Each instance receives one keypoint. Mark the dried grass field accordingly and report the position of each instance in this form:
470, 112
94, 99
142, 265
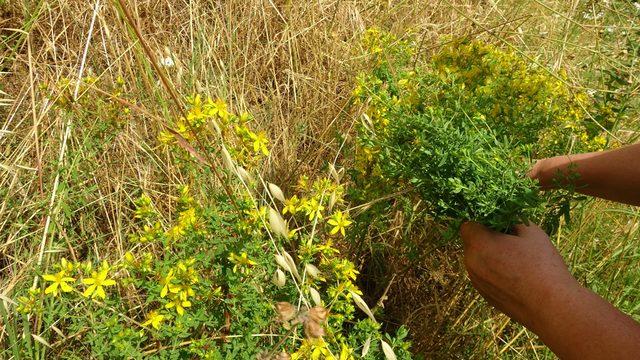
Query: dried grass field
110, 161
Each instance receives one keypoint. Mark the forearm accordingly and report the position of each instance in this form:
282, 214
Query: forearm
612, 175
578, 324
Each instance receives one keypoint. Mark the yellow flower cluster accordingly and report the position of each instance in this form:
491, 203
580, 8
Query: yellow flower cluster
253, 220
211, 118
186, 220
382, 45
241, 262
321, 195
153, 230
499, 86
511, 91
318, 349
62, 282
178, 284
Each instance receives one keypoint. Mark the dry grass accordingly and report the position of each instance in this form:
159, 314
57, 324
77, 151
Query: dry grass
291, 64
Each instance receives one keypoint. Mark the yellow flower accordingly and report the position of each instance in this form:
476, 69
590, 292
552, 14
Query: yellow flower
187, 217
184, 291
241, 262
179, 304
186, 272
327, 248
181, 128
339, 221
175, 232
65, 265
314, 209
218, 108
167, 285
346, 353
257, 216
59, 281
260, 142
320, 350
97, 281
291, 205
154, 319
195, 116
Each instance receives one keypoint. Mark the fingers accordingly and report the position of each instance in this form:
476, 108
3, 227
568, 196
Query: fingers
475, 234
530, 230
534, 172
477, 240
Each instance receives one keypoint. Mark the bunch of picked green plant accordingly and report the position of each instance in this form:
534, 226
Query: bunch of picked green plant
248, 275
463, 129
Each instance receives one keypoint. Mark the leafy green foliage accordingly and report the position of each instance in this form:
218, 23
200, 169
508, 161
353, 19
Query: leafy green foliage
518, 99
460, 170
462, 130
207, 285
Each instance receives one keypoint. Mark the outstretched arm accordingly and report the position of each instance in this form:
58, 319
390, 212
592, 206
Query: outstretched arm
612, 175
523, 276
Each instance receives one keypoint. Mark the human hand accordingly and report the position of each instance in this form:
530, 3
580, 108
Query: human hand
517, 274
523, 276
547, 170
536, 171
612, 175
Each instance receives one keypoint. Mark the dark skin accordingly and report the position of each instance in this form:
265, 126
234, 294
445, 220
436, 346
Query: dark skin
524, 276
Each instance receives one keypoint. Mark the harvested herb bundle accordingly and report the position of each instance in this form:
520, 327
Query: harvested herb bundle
462, 130
460, 170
